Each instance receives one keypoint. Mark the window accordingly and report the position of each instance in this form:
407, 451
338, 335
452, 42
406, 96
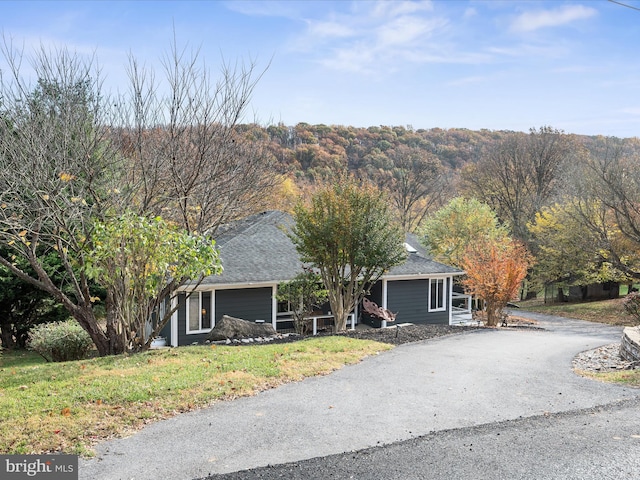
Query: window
284, 308
436, 294
199, 312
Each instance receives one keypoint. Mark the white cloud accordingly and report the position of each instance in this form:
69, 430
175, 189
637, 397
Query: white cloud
468, 80
330, 29
386, 9
470, 12
635, 111
358, 58
525, 50
374, 38
264, 8
405, 30
575, 69
531, 21
446, 56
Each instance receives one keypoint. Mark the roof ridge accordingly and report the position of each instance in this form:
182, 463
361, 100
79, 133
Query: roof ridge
246, 225
263, 217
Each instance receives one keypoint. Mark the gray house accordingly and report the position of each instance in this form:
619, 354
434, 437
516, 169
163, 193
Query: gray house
257, 255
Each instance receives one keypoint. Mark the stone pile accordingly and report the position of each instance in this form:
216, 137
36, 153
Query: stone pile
236, 328
246, 341
602, 359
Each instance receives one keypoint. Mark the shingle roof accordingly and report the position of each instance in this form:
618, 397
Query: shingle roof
419, 262
257, 249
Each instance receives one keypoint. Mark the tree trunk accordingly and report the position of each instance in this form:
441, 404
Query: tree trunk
493, 314
340, 317
6, 335
87, 320
116, 342
336, 301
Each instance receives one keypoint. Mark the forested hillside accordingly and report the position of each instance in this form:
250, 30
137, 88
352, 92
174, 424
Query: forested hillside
422, 169
315, 150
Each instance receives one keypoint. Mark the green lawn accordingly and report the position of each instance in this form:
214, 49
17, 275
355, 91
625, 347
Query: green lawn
19, 358
627, 378
70, 406
603, 311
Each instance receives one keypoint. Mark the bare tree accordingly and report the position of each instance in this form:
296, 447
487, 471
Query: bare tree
610, 179
191, 160
58, 173
519, 175
416, 184
68, 163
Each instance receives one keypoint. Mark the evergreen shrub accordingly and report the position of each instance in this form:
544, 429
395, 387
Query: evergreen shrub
60, 341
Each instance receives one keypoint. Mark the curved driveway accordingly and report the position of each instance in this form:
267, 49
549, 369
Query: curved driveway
464, 380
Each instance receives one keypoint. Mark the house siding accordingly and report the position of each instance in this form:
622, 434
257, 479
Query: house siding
183, 338
376, 293
409, 299
166, 332
248, 304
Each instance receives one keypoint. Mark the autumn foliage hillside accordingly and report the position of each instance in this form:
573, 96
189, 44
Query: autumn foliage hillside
316, 150
313, 152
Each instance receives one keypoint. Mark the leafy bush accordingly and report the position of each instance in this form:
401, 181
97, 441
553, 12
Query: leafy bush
60, 341
631, 305
304, 293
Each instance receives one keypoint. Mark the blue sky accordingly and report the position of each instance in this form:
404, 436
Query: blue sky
500, 65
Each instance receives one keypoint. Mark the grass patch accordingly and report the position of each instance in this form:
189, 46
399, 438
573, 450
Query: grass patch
68, 407
602, 311
627, 378
19, 358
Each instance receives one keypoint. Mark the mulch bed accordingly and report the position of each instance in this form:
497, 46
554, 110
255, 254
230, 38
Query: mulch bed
403, 334
406, 333
396, 336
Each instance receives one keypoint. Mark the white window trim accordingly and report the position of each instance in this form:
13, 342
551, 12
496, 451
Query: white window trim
201, 330
442, 293
174, 321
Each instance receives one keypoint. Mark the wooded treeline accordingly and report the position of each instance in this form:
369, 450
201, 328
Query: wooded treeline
314, 151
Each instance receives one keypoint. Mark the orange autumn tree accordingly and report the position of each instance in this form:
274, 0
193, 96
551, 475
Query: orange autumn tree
495, 271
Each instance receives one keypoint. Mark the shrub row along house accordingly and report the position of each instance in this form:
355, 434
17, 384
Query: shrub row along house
258, 255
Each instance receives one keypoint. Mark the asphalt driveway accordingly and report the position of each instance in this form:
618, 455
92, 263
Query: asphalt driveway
460, 381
